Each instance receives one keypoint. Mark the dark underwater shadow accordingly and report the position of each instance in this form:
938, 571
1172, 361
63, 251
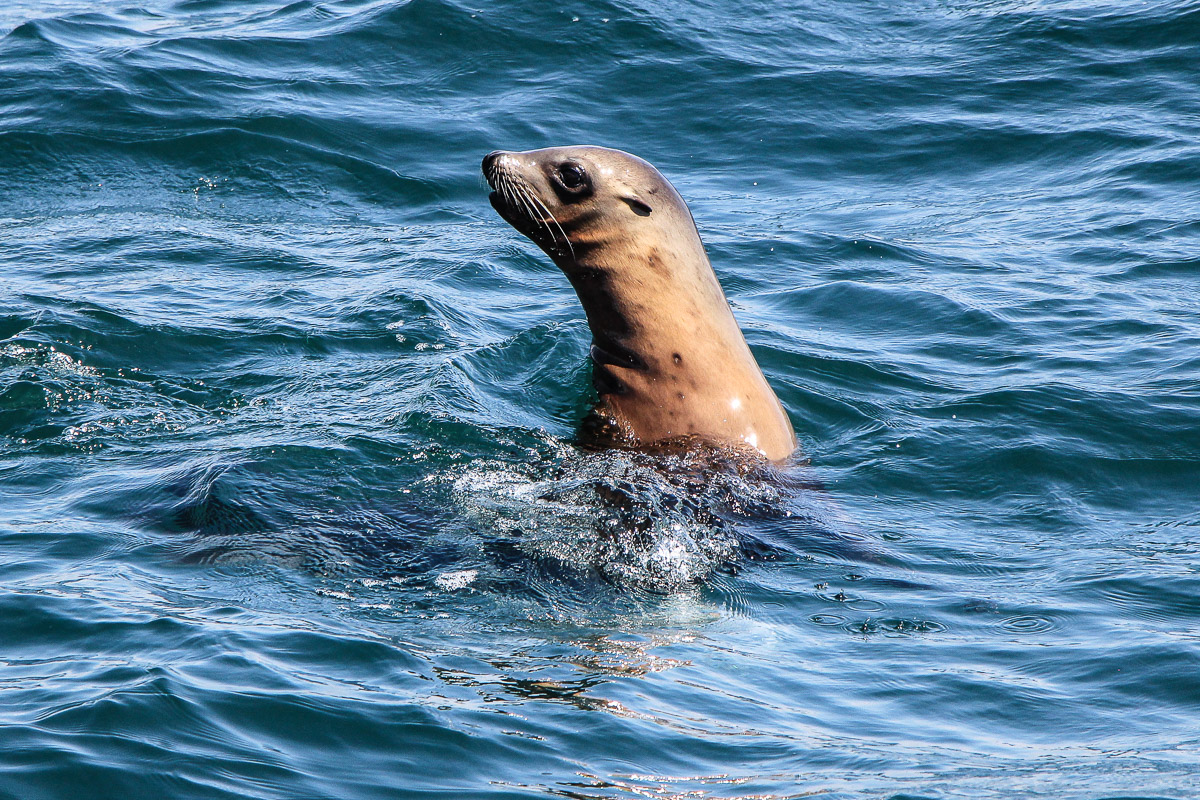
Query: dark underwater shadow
546, 522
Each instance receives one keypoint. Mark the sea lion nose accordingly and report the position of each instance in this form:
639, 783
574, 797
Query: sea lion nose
490, 159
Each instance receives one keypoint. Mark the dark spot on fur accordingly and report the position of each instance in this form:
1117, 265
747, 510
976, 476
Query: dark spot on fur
677, 358
654, 260
680, 395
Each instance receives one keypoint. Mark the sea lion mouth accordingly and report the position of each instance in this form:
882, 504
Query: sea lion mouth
500, 204
515, 215
503, 197
519, 213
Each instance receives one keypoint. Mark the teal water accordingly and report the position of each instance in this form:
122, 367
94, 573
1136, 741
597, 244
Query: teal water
289, 501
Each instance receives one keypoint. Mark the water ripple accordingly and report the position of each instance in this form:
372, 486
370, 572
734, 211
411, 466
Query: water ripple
287, 415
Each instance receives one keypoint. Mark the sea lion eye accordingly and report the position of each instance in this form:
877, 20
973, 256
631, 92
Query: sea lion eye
571, 175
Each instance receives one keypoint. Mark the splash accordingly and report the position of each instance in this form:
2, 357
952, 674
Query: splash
649, 522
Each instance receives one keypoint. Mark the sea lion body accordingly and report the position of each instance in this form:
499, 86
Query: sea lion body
670, 362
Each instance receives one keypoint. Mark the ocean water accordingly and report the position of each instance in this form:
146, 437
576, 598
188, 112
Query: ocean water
290, 501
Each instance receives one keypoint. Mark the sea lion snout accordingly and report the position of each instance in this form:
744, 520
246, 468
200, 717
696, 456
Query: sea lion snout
492, 163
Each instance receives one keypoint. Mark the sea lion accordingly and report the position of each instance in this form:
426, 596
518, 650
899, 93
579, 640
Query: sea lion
671, 365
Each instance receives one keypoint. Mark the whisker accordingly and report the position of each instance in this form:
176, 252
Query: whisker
518, 194
558, 224
525, 197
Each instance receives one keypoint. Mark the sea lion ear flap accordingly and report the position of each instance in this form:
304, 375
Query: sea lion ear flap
638, 205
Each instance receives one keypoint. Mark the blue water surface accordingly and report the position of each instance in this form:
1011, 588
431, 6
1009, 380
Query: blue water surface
290, 504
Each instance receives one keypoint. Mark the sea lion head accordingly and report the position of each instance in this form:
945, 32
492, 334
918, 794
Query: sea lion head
572, 200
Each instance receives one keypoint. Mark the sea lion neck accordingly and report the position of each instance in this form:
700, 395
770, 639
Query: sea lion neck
644, 305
